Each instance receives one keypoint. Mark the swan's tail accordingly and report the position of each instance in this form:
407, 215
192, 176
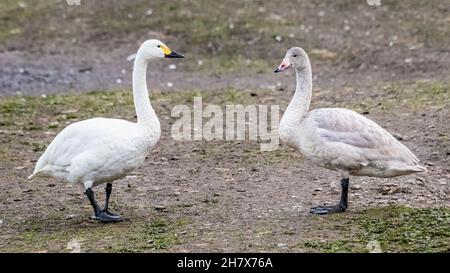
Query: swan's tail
34, 174
419, 169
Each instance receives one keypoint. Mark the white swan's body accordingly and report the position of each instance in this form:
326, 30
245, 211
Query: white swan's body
337, 138
97, 150
102, 150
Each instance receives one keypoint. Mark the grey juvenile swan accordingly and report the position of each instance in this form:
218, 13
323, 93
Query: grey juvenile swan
339, 139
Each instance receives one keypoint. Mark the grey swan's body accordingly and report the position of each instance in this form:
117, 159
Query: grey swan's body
337, 138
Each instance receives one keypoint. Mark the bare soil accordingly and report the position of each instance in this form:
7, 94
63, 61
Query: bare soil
390, 63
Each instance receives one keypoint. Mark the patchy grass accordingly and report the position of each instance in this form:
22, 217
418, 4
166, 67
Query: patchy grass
419, 95
15, 17
393, 228
231, 36
155, 235
28, 122
20, 116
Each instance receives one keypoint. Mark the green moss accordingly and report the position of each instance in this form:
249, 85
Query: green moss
155, 235
394, 228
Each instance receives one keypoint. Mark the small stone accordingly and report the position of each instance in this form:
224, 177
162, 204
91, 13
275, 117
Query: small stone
355, 187
241, 190
150, 241
281, 245
172, 66
149, 12
70, 216
85, 69
69, 111
398, 137
318, 189
131, 57
1, 222
160, 207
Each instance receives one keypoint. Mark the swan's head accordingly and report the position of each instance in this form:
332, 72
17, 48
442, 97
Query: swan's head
295, 57
155, 49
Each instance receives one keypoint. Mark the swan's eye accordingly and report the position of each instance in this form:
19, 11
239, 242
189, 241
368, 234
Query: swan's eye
295, 55
158, 46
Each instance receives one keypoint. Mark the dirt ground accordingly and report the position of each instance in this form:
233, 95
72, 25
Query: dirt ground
390, 63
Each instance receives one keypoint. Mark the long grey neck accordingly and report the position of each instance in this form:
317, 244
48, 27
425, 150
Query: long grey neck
146, 116
301, 100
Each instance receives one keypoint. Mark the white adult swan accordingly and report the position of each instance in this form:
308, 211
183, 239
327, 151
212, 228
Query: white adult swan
339, 139
101, 150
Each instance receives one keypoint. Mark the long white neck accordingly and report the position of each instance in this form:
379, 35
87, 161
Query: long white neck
146, 116
301, 100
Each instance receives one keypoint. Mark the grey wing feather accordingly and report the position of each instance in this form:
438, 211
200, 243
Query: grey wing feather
348, 127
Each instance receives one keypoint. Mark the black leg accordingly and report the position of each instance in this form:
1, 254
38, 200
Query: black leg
108, 191
344, 194
343, 203
91, 197
99, 214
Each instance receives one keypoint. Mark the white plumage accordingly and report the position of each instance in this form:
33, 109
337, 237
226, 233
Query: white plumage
339, 139
97, 150
102, 150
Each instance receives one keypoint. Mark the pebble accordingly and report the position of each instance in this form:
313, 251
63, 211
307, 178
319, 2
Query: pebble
355, 187
160, 207
149, 12
398, 137
318, 189
70, 216
131, 57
